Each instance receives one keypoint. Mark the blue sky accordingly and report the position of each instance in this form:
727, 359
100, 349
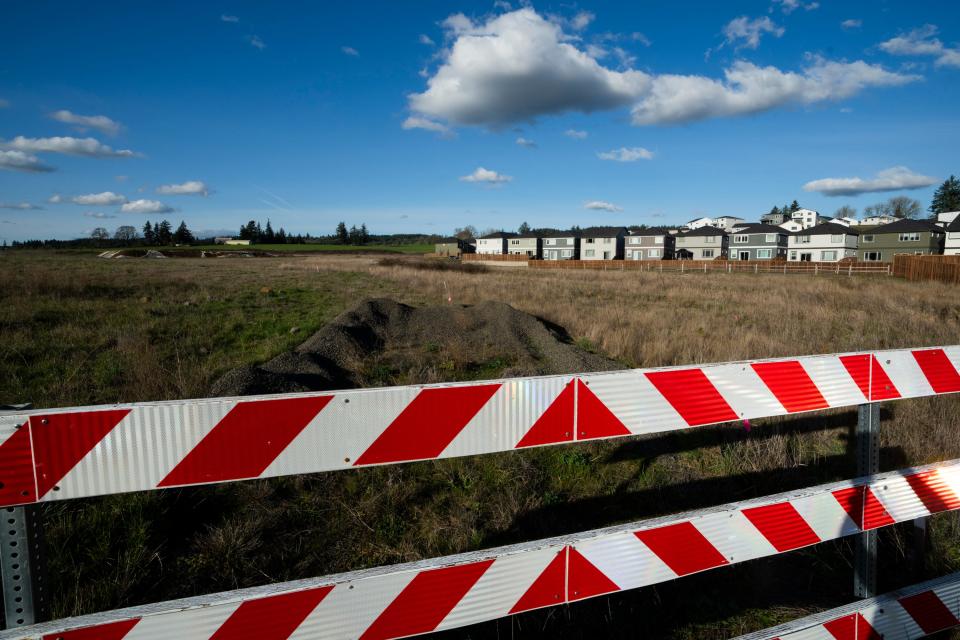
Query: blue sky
311, 113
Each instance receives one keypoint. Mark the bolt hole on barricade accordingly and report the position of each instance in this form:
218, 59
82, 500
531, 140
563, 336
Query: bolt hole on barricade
53, 455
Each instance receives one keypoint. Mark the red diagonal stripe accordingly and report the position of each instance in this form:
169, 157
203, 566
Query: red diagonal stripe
426, 601
933, 491
863, 507
692, 395
791, 384
61, 440
852, 627
109, 631
928, 611
938, 369
548, 588
782, 526
594, 419
556, 423
16, 468
428, 424
246, 440
584, 580
682, 547
858, 367
271, 618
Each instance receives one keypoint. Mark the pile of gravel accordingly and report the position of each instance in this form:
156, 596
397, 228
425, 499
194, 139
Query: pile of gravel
379, 331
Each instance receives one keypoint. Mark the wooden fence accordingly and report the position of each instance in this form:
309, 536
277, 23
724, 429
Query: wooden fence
729, 266
942, 268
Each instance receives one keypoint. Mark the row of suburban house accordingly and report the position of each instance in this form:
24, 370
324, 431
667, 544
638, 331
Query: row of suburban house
821, 241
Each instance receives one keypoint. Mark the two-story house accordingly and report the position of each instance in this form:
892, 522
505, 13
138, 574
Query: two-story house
453, 247
704, 243
525, 244
827, 242
649, 244
494, 243
758, 242
951, 246
808, 218
920, 237
602, 243
728, 223
561, 245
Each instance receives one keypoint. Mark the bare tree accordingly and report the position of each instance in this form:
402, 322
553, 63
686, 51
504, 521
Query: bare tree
898, 207
465, 233
846, 211
125, 232
99, 234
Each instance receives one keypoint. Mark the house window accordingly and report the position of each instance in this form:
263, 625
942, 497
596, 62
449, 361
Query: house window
607, 240
764, 253
803, 239
793, 255
708, 253
910, 237
588, 253
589, 241
710, 239
771, 237
836, 237
741, 239
828, 256
653, 253
566, 253
871, 256
634, 240
867, 238
514, 242
658, 240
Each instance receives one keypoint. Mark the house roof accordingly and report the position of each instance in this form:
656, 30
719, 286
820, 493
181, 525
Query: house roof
905, 225
704, 231
955, 225
652, 231
526, 236
498, 234
568, 233
760, 227
825, 229
603, 232
728, 218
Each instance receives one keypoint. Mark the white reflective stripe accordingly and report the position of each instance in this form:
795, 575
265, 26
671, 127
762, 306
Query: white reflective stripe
895, 623
899, 499
953, 354
9, 424
833, 380
193, 624
818, 632
625, 560
744, 391
825, 516
734, 536
905, 374
635, 401
351, 607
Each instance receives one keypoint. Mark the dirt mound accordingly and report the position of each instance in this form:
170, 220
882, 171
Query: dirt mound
382, 342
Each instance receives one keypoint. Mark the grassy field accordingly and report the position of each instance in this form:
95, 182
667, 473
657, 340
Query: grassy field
79, 330
309, 248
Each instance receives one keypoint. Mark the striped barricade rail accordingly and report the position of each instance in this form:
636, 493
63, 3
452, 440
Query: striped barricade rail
444, 593
59, 454
912, 612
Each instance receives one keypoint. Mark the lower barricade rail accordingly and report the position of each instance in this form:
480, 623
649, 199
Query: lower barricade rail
454, 591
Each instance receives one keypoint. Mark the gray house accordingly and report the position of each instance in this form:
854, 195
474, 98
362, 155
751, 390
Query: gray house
758, 242
918, 237
525, 244
704, 243
561, 245
453, 247
650, 244
602, 243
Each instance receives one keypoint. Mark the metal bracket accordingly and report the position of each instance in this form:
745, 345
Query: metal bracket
868, 463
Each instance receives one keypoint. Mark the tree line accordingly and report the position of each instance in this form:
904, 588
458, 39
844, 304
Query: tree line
352, 236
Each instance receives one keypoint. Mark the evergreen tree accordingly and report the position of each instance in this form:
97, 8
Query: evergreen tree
164, 233
946, 197
148, 237
182, 235
523, 228
268, 236
281, 236
794, 206
342, 236
364, 234
774, 211
354, 236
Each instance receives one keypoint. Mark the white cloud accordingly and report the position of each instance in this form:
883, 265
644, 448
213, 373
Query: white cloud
745, 33
524, 142
89, 147
56, 199
145, 206
20, 206
626, 154
350, 51
102, 124
99, 215
789, 6
255, 41
892, 179
416, 122
515, 67
852, 23
575, 134
225, 18
601, 205
189, 188
582, 20
486, 176
425, 39
749, 89
104, 199
21, 161
921, 42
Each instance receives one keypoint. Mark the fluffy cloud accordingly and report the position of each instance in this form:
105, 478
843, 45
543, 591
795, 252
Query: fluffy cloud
892, 179
415, 122
745, 33
582, 20
852, 23
104, 199
486, 176
225, 18
921, 42
350, 51
189, 188
601, 205
90, 147
102, 124
515, 67
255, 41
145, 206
789, 6
748, 89
21, 161
575, 134
97, 214
524, 142
19, 206
626, 154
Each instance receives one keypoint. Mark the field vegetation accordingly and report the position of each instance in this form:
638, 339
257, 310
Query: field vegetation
79, 330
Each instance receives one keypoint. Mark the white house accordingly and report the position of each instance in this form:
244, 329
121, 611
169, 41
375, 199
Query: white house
792, 226
696, 223
808, 218
602, 243
827, 242
705, 243
945, 218
951, 246
846, 221
877, 220
727, 223
494, 243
